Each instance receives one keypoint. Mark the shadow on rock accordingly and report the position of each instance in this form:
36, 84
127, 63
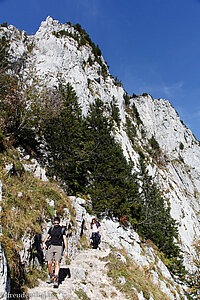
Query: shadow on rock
64, 272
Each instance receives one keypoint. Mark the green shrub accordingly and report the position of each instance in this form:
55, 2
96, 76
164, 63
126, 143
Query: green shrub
117, 82
134, 95
90, 61
136, 115
181, 158
154, 144
181, 146
126, 99
115, 111
5, 24
130, 130
104, 71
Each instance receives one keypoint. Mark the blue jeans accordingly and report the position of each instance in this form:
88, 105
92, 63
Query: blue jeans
95, 239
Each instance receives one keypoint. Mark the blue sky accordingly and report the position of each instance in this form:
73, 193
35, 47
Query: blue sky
152, 46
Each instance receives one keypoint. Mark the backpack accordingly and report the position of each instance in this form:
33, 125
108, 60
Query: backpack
48, 242
63, 228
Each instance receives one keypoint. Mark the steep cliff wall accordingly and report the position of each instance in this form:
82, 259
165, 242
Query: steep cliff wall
179, 176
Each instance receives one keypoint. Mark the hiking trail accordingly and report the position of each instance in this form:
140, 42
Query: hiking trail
84, 278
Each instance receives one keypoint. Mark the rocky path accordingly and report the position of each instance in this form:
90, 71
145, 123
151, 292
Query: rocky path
85, 278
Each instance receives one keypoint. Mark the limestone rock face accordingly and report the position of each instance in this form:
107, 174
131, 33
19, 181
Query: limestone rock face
179, 177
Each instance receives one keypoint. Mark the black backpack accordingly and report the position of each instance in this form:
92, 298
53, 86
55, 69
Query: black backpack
48, 242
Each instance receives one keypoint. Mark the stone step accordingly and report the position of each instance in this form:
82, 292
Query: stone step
87, 272
93, 252
89, 255
93, 262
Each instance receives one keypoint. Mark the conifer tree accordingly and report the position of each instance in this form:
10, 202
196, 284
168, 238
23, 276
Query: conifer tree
155, 222
115, 111
64, 135
111, 185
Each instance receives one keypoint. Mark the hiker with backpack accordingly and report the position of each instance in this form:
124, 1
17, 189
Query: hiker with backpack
53, 243
95, 233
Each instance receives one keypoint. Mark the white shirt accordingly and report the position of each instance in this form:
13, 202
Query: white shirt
94, 228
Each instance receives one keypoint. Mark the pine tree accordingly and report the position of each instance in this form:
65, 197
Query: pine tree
155, 222
115, 111
111, 187
64, 135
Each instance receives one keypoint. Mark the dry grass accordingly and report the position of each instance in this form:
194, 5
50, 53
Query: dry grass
135, 277
84, 242
81, 294
25, 208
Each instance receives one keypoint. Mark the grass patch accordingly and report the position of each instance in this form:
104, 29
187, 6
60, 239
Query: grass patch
135, 278
81, 294
67, 261
84, 242
103, 293
25, 208
32, 275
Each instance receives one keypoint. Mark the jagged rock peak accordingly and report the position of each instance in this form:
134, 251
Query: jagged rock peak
50, 25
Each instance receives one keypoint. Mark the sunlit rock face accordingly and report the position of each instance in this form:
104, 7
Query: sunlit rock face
179, 176
48, 55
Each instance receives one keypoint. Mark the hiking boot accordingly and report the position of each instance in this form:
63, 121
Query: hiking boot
50, 279
55, 285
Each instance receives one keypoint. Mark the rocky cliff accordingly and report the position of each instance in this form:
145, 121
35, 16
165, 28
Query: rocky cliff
56, 51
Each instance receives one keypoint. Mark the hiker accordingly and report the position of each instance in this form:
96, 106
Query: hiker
95, 233
54, 245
